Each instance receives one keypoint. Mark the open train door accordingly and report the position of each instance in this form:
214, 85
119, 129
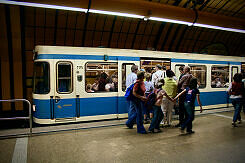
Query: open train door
124, 70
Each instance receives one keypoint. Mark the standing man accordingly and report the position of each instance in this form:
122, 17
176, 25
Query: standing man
181, 70
182, 84
158, 75
131, 78
170, 88
137, 104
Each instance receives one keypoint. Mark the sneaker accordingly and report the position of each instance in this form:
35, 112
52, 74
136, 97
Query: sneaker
240, 122
234, 124
129, 126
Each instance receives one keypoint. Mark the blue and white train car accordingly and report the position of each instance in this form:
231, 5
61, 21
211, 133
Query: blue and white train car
81, 84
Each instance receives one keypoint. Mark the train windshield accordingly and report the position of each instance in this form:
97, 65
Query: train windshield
41, 78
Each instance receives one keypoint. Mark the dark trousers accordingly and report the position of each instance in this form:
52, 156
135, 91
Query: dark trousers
190, 114
182, 112
157, 118
237, 103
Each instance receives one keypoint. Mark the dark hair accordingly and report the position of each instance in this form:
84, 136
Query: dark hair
181, 68
237, 77
170, 73
140, 75
193, 83
134, 68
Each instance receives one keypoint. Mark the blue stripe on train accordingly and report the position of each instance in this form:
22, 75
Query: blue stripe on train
205, 61
86, 57
108, 105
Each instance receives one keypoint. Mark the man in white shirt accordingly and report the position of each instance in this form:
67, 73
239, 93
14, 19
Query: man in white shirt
159, 74
132, 77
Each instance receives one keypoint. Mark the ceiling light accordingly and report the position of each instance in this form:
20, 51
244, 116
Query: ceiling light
170, 21
116, 13
43, 6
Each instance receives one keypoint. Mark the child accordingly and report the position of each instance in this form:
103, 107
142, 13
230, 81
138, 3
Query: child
191, 93
149, 88
157, 111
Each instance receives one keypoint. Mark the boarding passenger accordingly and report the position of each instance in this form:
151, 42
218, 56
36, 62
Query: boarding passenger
137, 103
131, 78
181, 69
182, 84
157, 111
148, 89
158, 75
167, 106
190, 93
236, 90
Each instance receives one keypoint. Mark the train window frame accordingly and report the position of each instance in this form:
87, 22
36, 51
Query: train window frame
232, 71
48, 78
124, 74
57, 73
190, 65
226, 85
85, 76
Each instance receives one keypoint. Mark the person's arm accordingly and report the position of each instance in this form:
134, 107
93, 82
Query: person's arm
229, 89
199, 102
180, 94
165, 94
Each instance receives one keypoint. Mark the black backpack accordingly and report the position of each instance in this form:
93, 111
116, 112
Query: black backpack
151, 99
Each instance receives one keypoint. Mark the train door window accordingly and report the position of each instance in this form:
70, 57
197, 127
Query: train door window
219, 76
149, 64
64, 77
200, 72
41, 78
101, 77
126, 70
177, 72
234, 70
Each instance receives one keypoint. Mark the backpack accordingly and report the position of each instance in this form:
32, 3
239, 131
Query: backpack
129, 92
151, 99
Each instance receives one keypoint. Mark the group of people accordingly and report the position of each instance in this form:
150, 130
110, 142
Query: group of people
166, 90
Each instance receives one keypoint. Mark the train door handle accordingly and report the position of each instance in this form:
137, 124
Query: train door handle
57, 99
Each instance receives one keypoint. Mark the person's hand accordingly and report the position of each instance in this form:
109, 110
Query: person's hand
201, 109
143, 98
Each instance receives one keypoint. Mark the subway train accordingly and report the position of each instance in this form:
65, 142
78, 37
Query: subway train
73, 84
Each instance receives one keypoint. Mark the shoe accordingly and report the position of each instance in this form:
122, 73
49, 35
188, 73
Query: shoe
129, 126
158, 130
234, 124
240, 122
190, 132
144, 132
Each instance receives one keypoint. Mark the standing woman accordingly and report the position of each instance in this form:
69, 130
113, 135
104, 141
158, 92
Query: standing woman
235, 91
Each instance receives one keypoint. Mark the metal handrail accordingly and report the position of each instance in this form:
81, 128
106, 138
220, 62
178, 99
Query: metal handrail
14, 118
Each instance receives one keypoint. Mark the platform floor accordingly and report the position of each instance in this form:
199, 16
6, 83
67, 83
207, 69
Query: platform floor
214, 140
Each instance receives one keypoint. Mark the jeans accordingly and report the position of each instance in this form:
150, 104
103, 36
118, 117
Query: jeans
237, 103
182, 112
135, 115
157, 118
190, 113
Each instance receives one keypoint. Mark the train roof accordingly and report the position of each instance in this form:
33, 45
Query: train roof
129, 52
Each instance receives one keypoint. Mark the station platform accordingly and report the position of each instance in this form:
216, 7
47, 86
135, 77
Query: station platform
214, 140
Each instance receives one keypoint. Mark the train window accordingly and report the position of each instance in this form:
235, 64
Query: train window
126, 70
220, 76
149, 65
64, 77
200, 72
234, 70
41, 78
101, 77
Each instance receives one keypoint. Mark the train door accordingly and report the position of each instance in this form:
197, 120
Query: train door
124, 70
64, 99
